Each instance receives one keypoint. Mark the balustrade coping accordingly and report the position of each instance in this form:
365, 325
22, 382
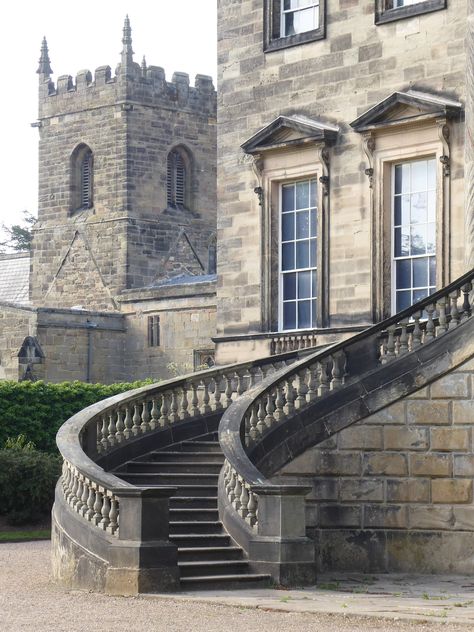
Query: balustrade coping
297, 333
230, 427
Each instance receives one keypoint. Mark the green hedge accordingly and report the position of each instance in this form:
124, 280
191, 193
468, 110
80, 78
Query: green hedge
37, 410
27, 481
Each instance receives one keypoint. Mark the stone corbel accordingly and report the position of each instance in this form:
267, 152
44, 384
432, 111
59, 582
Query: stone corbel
369, 148
257, 166
443, 133
324, 160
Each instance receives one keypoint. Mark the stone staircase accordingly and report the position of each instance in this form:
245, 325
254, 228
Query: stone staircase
207, 556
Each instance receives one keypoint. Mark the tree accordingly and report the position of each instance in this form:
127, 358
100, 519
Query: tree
19, 236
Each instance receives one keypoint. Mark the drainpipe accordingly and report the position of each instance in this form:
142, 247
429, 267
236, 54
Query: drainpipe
469, 139
90, 326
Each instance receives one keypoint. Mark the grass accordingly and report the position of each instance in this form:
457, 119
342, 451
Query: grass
25, 536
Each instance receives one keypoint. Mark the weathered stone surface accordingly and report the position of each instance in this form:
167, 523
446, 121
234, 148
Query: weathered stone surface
451, 386
427, 412
450, 439
451, 491
406, 438
383, 463
408, 490
430, 464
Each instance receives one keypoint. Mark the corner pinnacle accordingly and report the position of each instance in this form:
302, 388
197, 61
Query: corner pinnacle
44, 67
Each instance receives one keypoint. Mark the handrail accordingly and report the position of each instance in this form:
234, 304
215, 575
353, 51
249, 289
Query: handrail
279, 397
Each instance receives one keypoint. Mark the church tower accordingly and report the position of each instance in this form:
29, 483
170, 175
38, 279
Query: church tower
127, 180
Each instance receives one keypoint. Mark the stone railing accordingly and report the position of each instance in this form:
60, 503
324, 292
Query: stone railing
280, 343
283, 397
110, 432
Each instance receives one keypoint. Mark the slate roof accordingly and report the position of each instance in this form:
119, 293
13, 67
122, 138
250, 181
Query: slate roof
15, 278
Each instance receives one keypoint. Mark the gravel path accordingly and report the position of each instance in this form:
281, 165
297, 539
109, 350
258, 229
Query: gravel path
30, 601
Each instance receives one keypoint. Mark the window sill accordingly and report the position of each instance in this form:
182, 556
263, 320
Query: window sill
294, 40
401, 13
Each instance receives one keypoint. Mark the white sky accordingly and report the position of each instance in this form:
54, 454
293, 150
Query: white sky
179, 35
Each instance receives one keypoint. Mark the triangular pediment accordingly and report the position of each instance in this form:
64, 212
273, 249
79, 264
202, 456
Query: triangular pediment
290, 130
405, 107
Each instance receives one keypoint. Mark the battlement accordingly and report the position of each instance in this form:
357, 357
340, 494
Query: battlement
132, 82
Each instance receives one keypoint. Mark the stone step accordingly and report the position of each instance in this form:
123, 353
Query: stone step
177, 455
209, 553
196, 526
168, 478
198, 513
193, 502
213, 568
182, 467
226, 582
201, 446
200, 540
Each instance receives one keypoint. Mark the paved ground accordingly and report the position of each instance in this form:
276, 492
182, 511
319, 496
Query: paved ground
30, 601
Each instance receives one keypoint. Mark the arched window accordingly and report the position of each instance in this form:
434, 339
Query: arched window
178, 179
81, 178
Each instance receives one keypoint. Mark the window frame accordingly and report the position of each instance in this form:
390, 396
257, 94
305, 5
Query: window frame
272, 18
172, 180
76, 179
383, 15
154, 330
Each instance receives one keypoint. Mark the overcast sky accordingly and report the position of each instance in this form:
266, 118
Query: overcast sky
177, 35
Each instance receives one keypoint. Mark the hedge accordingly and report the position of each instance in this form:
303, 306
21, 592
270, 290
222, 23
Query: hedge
27, 481
37, 410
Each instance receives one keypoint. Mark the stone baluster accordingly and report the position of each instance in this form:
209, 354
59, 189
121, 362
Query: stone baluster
390, 345
453, 309
442, 322
279, 413
194, 400
251, 517
323, 377
429, 326
246, 422
128, 422
104, 523
174, 417
416, 333
466, 304
252, 376
99, 435
403, 338
136, 428
164, 419
145, 423
155, 414
184, 413
253, 430
240, 382
205, 408
228, 390
113, 516
217, 393
89, 514
237, 493
231, 493
261, 413
77, 503
120, 435
75, 484
97, 517
244, 500
312, 394
112, 429
289, 406
301, 389
270, 409
104, 432
84, 497
338, 370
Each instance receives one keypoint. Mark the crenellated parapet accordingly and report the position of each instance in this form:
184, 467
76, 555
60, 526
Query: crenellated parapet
131, 82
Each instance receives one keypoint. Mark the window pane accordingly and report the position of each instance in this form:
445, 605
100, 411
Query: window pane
418, 240
304, 314
314, 287
289, 286
402, 210
313, 198
420, 272
288, 226
302, 195
432, 174
431, 206
314, 315
418, 295
402, 178
288, 256
432, 271
302, 225
402, 241
419, 174
313, 254
419, 203
289, 315
403, 274
431, 238
314, 223
403, 300
304, 285
302, 254
288, 197
306, 20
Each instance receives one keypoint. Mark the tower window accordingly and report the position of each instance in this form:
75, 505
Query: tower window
177, 180
81, 179
153, 331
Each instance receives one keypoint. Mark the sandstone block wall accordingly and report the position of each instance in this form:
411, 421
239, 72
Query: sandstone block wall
15, 324
335, 79
396, 481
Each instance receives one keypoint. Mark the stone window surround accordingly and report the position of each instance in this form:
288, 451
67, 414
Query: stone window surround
278, 167
383, 15
154, 331
188, 161
271, 28
385, 147
75, 179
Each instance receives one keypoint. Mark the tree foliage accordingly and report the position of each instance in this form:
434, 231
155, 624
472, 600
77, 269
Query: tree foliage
19, 236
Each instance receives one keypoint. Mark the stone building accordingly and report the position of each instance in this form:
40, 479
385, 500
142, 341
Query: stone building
122, 279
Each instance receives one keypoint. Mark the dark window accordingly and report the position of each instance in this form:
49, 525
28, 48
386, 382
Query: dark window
82, 179
390, 10
153, 331
293, 22
177, 180
204, 359
212, 256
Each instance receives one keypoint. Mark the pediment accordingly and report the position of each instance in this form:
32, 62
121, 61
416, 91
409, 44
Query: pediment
30, 351
406, 107
290, 130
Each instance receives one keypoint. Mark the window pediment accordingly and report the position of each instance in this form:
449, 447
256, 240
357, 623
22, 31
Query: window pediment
286, 131
406, 107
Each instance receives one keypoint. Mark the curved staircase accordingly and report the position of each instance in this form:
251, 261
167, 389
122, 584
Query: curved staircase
151, 500
207, 557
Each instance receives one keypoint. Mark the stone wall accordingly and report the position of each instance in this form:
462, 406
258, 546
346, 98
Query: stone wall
187, 316
333, 80
15, 324
395, 491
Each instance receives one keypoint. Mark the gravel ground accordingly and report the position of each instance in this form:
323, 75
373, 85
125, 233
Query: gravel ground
30, 601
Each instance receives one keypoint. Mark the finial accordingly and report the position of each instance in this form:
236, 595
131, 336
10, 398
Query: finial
44, 67
127, 52
144, 66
